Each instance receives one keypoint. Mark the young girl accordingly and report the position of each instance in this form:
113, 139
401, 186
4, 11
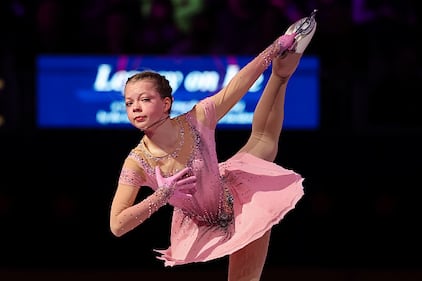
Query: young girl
224, 208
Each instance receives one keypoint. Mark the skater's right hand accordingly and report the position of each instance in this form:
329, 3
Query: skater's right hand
181, 184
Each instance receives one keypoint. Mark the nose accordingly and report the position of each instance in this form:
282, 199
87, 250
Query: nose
136, 106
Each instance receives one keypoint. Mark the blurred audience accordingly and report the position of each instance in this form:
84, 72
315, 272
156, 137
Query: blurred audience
361, 43
390, 60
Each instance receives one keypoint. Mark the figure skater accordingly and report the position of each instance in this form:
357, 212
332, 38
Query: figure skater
219, 209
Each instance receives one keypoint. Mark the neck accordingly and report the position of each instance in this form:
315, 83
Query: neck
157, 123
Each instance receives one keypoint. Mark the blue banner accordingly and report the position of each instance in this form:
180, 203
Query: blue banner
87, 91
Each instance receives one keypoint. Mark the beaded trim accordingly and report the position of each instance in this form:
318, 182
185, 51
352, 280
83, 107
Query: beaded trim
174, 154
270, 52
163, 194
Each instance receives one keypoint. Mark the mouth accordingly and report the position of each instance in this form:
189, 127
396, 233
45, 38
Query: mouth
139, 119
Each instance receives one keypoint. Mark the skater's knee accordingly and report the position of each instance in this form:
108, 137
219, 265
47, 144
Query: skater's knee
262, 147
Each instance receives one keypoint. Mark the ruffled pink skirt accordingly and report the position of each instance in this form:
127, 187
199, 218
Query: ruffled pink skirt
263, 193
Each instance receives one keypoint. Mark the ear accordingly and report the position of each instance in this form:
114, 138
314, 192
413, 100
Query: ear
167, 104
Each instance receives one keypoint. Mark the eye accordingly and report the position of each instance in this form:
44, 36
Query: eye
128, 103
145, 99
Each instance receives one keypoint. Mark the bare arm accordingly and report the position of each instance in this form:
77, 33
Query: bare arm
125, 216
239, 85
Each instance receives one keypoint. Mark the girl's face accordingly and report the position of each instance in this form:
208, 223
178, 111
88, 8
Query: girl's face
144, 105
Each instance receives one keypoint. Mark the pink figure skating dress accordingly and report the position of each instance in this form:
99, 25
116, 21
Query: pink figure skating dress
236, 202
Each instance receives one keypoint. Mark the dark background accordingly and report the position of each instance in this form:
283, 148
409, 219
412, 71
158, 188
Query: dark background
360, 217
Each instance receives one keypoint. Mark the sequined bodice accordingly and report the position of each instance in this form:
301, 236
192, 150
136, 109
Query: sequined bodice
212, 204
